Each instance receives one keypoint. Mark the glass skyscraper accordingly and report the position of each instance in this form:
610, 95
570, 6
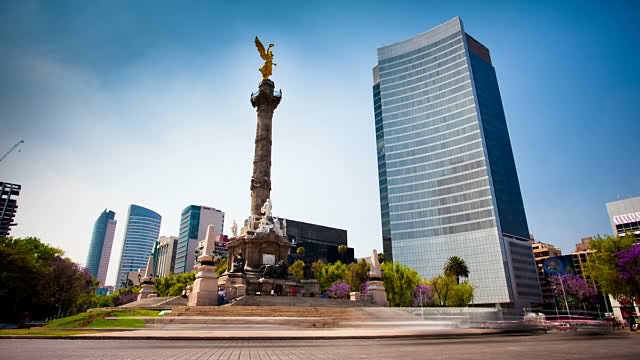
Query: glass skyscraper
193, 227
447, 177
143, 228
100, 247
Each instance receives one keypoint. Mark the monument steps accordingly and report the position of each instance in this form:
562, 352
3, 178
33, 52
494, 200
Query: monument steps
165, 302
344, 314
298, 301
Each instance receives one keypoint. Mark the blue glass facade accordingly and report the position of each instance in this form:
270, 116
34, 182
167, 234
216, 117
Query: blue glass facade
189, 225
448, 184
194, 221
143, 228
97, 244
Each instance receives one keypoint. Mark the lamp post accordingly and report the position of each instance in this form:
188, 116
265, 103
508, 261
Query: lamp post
564, 295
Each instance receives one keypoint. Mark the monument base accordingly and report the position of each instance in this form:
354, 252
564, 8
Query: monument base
258, 248
235, 285
204, 291
146, 291
310, 287
377, 293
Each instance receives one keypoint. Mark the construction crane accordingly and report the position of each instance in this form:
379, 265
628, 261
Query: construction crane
11, 150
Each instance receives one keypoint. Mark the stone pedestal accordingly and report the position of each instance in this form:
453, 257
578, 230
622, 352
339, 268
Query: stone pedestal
235, 285
354, 296
265, 287
147, 290
255, 245
258, 249
310, 287
377, 292
205, 288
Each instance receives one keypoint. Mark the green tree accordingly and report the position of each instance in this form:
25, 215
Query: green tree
461, 294
174, 284
342, 250
221, 268
330, 273
456, 267
300, 251
602, 265
447, 292
357, 273
296, 269
37, 282
400, 282
442, 285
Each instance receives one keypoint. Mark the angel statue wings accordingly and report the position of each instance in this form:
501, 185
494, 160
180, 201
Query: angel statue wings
267, 56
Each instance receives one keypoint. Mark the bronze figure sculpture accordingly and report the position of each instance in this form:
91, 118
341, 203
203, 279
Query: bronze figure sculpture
267, 56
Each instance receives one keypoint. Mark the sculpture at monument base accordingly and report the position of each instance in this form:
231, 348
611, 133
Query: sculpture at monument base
237, 266
278, 271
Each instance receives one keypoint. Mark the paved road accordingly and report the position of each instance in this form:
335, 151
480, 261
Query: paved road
493, 347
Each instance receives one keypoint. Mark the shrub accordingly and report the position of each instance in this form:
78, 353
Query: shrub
423, 295
400, 282
339, 290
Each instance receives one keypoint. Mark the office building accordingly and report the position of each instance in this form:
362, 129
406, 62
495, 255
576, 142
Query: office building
447, 176
319, 242
166, 255
625, 216
193, 227
143, 227
584, 244
541, 252
8, 206
100, 247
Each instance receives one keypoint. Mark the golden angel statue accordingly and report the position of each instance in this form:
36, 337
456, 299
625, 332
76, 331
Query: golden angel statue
267, 56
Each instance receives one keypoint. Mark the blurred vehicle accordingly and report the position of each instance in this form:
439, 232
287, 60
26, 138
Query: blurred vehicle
579, 324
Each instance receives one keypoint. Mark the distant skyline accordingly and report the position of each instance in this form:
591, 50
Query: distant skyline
147, 103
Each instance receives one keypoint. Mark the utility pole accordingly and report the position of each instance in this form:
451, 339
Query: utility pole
15, 146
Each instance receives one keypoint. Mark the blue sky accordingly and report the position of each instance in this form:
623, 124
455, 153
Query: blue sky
147, 102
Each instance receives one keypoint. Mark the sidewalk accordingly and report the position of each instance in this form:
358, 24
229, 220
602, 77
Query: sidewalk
335, 333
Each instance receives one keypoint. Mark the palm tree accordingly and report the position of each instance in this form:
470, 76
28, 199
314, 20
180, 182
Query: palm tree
455, 266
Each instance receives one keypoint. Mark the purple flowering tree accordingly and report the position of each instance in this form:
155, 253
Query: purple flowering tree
364, 287
577, 290
628, 268
339, 290
423, 295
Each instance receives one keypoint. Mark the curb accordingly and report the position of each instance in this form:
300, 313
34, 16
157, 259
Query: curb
262, 338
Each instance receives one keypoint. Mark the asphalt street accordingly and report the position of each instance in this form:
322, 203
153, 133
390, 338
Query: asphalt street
619, 346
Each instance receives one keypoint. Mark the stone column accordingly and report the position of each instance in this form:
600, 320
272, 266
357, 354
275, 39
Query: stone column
265, 101
147, 289
205, 287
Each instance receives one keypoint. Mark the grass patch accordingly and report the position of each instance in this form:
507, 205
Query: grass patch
118, 323
78, 320
135, 312
95, 318
43, 331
